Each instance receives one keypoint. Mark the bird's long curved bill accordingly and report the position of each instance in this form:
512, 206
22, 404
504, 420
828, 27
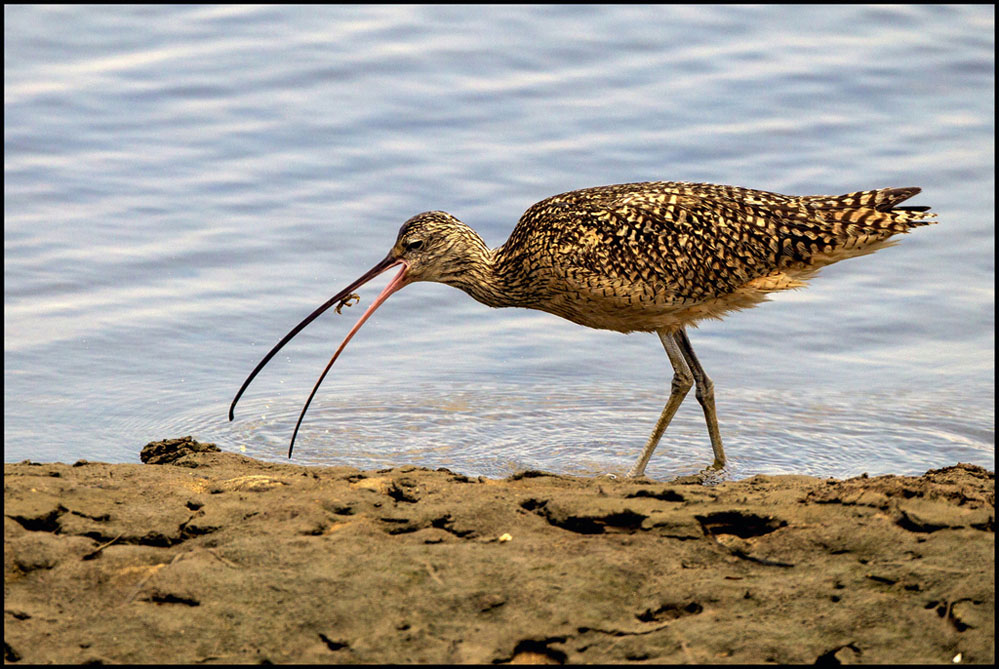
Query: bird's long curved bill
397, 282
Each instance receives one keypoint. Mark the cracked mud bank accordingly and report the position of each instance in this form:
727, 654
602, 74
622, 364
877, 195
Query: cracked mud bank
215, 557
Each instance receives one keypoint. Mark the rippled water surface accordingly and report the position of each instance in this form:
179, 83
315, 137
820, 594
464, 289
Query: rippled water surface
184, 184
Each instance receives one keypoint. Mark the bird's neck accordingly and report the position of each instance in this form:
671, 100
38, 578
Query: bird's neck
494, 277
477, 273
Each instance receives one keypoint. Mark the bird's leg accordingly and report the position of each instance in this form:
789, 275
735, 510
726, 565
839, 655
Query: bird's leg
682, 381
705, 394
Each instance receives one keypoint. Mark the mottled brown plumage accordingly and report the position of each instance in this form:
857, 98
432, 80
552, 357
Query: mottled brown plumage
654, 256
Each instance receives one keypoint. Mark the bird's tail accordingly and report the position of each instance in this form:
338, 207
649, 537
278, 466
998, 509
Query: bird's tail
827, 229
871, 212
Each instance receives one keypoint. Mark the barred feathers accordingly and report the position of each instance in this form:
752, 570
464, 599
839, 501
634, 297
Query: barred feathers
663, 255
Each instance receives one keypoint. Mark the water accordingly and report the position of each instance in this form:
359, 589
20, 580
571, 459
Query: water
184, 184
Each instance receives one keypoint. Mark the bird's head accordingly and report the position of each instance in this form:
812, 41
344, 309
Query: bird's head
436, 246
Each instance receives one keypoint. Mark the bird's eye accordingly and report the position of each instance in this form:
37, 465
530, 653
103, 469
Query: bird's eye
414, 245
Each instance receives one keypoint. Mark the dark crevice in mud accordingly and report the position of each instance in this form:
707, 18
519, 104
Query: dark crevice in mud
188, 532
401, 491
98, 551
946, 610
913, 524
47, 523
532, 504
958, 614
669, 611
663, 615
528, 474
578, 525
739, 523
333, 645
623, 633
941, 607
626, 520
408, 525
456, 477
50, 523
835, 656
9, 654
400, 525
153, 539
446, 522
316, 530
663, 495
100, 518
531, 651
598, 524
339, 509
170, 598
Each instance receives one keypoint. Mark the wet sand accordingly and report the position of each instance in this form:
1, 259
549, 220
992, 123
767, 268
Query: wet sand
203, 556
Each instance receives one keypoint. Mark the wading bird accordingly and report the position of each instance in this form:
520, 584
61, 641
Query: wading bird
651, 257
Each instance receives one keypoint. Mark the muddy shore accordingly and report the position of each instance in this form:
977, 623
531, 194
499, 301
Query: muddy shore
203, 556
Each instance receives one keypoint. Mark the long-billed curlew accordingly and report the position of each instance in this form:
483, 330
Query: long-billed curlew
653, 257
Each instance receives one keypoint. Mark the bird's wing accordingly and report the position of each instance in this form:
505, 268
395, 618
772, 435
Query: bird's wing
687, 242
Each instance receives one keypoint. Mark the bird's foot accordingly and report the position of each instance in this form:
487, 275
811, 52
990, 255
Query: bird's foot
712, 475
